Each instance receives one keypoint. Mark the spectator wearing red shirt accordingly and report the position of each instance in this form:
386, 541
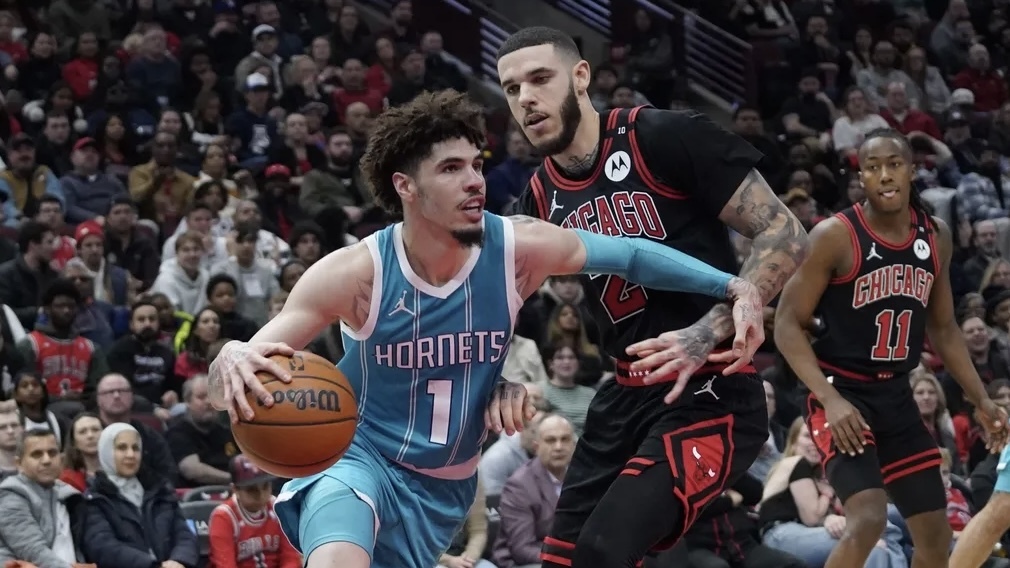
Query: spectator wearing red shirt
356, 90
16, 49
50, 214
905, 119
988, 85
81, 73
380, 74
244, 531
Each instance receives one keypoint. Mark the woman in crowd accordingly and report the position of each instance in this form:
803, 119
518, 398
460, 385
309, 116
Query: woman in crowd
80, 452
194, 359
996, 274
132, 518
565, 327
932, 402
800, 514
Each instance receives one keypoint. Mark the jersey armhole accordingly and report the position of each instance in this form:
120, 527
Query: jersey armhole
515, 300
373, 308
857, 255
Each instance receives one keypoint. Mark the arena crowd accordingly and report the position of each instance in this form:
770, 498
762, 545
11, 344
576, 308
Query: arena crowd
170, 168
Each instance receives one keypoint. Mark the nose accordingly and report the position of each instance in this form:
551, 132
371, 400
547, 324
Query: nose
526, 98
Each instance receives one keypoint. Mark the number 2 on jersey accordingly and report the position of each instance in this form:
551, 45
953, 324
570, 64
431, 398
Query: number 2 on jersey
892, 336
622, 299
441, 406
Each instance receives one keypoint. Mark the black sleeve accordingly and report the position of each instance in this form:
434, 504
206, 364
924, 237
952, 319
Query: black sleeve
802, 470
693, 155
180, 442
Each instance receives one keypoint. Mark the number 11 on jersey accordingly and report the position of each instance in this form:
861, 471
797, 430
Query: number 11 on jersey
892, 336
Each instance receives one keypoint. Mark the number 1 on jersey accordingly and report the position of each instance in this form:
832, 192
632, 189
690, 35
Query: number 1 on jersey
892, 344
441, 405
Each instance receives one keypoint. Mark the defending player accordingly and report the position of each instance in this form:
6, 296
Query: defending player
878, 277
427, 309
985, 529
643, 469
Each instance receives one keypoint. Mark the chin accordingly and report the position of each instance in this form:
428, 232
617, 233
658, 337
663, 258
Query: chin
470, 236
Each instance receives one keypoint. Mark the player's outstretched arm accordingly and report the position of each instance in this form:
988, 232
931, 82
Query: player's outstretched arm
337, 287
945, 336
779, 243
829, 245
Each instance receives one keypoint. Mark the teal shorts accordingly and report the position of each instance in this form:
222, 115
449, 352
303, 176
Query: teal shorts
403, 519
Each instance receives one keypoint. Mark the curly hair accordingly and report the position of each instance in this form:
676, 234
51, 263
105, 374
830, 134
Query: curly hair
403, 137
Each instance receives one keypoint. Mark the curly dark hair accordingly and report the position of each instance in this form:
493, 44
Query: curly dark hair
404, 135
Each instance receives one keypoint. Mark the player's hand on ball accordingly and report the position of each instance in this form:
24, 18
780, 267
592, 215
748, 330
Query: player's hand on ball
847, 425
234, 370
510, 408
682, 352
993, 419
748, 320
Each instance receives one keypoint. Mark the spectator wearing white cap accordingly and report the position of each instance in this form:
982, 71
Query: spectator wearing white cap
288, 44
252, 130
264, 52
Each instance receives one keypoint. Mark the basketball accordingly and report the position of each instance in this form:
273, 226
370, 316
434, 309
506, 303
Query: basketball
311, 423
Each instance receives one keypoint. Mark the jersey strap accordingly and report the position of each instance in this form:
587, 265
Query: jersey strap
626, 120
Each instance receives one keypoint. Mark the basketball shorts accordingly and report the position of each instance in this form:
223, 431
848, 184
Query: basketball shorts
707, 439
901, 455
403, 519
1003, 471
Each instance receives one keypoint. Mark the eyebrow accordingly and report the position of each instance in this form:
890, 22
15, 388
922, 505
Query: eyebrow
536, 71
457, 159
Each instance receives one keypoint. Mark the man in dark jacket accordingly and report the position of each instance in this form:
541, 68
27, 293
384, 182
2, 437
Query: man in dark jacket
141, 356
23, 279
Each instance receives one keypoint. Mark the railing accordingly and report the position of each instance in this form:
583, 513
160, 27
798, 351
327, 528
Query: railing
471, 32
710, 57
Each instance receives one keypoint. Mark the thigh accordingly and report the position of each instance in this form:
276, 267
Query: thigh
703, 558
608, 441
847, 474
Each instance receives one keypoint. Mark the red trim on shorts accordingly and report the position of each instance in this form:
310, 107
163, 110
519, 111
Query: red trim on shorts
560, 547
554, 559
539, 195
642, 461
562, 183
852, 375
893, 246
857, 253
631, 472
636, 466
626, 377
912, 464
551, 541
643, 169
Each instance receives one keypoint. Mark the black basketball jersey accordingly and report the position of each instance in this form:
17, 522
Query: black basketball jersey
653, 186
875, 316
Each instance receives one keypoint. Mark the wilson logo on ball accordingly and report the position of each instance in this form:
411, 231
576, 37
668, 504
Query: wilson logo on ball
325, 400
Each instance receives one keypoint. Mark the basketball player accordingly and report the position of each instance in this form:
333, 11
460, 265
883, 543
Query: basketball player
427, 309
643, 469
878, 278
985, 529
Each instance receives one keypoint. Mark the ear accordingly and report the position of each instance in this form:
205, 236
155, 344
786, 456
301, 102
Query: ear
581, 77
405, 187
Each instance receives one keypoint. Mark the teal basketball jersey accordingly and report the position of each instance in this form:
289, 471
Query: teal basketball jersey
425, 364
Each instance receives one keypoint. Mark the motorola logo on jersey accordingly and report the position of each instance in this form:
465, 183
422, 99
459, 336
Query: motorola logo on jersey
463, 348
631, 214
618, 166
891, 281
323, 399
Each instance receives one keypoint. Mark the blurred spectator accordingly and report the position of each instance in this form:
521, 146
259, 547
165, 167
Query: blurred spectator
55, 145
40, 511
200, 444
468, 545
23, 278
508, 179
252, 130
160, 189
253, 276
80, 451
112, 284
222, 291
523, 363
194, 359
765, 20
126, 246
146, 362
50, 214
566, 327
902, 117
244, 531
68, 364
10, 433
154, 72
199, 221
447, 73
931, 90
89, 192
265, 44
131, 515
803, 207
71, 18
115, 402
97, 321
979, 197
568, 398
290, 272
295, 152
988, 86
985, 240
771, 451
288, 44
380, 75
413, 78
355, 89
530, 494
24, 181
810, 114
279, 201
856, 121
32, 401
401, 29
932, 403
951, 38
183, 278
875, 79
959, 510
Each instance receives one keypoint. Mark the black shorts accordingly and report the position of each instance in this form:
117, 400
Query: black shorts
708, 438
901, 455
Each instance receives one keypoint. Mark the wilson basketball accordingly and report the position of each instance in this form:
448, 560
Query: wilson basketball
311, 423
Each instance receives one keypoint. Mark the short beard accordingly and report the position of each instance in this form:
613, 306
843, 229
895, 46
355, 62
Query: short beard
571, 116
469, 237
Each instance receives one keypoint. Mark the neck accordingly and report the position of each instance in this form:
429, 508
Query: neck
433, 254
32, 262
557, 472
91, 464
107, 418
245, 262
980, 356
898, 221
580, 156
33, 412
562, 382
7, 460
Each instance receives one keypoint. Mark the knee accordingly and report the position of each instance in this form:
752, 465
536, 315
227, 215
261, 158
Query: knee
865, 527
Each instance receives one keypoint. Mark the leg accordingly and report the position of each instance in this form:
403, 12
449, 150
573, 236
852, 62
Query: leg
761, 556
985, 529
338, 555
812, 545
703, 558
695, 449
865, 520
336, 526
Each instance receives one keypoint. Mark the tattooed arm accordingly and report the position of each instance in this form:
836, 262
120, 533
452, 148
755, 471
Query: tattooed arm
779, 244
338, 287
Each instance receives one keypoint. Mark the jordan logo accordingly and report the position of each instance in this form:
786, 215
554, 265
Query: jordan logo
554, 205
703, 470
873, 253
401, 306
708, 388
